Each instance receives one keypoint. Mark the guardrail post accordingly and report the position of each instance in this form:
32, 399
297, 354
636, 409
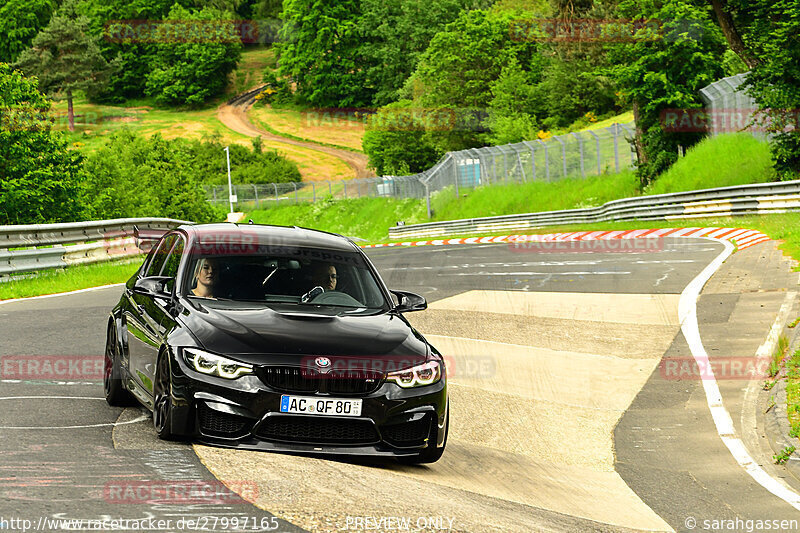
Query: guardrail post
294, 183
616, 147
330, 188
255, 192
345, 188
277, 201
313, 193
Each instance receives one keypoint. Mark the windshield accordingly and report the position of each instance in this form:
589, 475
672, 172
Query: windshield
285, 275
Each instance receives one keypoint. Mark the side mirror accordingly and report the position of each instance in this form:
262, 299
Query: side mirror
153, 286
409, 302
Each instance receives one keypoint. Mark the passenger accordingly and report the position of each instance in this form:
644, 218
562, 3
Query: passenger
206, 275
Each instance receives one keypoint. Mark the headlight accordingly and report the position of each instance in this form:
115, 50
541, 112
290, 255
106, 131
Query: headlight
215, 365
418, 376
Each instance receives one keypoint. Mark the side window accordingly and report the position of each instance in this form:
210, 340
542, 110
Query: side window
173, 261
160, 257
171, 266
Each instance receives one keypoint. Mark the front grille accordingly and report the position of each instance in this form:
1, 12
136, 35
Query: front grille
409, 434
318, 430
223, 424
353, 382
304, 380
288, 378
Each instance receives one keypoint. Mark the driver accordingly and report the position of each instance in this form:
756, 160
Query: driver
206, 277
325, 276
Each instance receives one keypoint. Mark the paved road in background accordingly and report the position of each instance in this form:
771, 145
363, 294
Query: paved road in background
60, 450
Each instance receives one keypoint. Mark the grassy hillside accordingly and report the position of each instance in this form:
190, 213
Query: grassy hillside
711, 164
320, 126
94, 123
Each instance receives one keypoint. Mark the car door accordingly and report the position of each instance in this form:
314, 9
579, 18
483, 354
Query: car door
142, 324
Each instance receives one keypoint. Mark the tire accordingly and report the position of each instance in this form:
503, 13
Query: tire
113, 386
431, 454
162, 400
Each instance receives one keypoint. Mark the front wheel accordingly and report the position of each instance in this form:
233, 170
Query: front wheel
162, 402
115, 392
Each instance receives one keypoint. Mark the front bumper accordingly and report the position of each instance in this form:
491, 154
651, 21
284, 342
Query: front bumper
245, 413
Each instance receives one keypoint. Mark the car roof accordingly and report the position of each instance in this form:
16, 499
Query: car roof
267, 234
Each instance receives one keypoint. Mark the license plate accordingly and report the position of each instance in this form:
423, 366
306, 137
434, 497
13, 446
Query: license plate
320, 406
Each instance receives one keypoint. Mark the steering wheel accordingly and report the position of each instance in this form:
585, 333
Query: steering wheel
334, 298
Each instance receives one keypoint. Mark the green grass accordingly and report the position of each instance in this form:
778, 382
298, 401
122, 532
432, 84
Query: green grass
793, 393
733, 159
364, 218
571, 193
70, 279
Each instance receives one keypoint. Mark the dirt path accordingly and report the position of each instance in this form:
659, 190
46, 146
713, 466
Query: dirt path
234, 115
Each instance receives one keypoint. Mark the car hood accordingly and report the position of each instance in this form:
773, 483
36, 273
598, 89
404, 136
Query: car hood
237, 328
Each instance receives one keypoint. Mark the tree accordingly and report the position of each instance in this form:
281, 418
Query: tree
395, 141
117, 24
662, 69
20, 21
764, 34
462, 61
515, 106
65, 57
458, 70
196, 67
40, 179
395, 33
320, 52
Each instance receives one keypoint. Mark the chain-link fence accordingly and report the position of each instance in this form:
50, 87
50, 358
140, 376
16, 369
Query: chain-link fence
590, 152
265, 195
729, 108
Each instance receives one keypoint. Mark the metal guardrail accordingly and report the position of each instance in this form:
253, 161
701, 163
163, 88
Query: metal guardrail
758, 198
32, 247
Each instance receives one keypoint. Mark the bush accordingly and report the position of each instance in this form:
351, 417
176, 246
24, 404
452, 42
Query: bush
134, 176
396, 143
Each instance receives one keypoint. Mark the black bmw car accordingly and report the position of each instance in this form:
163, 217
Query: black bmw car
275, 338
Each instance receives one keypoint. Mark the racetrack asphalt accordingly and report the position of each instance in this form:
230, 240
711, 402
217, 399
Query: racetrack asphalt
663, 456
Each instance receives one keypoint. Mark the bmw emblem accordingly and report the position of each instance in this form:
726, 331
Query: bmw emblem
323, 363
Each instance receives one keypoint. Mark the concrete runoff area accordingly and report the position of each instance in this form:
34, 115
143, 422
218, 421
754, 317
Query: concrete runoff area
535, 432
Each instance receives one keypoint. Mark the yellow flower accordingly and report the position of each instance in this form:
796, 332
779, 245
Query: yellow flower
544, 134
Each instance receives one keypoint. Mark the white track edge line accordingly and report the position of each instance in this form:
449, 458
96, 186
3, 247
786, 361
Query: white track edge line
687, 312
90, 289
